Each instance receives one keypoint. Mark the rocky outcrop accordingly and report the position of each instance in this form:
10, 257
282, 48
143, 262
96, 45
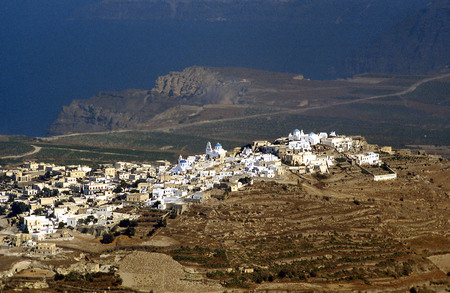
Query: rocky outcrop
17, 267
193, 81
105, 111
199, 86
134, 109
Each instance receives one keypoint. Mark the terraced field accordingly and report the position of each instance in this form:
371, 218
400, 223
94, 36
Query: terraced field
345, 230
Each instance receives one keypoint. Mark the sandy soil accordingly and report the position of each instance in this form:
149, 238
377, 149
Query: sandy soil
161, 241
441, 261
35, 273
85, 242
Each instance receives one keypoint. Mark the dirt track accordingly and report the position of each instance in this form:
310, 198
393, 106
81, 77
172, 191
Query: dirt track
36, 150
290, 111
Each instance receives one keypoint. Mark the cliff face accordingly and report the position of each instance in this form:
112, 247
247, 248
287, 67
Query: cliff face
415, 45
132, 109
199, 86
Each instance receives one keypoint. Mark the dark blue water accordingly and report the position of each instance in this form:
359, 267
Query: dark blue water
48, 59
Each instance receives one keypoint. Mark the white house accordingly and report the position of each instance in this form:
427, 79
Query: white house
340, 143
246, 152
39, 225
369, 158
296, 135
93, 187
300, 145
158, 193
73, 219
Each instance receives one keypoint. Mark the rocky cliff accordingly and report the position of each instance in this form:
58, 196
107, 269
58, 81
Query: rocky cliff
132, 108
415, 45
199, 86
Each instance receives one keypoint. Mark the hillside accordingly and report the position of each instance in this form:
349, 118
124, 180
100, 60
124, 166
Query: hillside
415, 45
335, 232
203, 101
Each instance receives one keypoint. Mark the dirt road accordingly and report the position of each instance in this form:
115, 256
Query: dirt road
290, 111
36, 150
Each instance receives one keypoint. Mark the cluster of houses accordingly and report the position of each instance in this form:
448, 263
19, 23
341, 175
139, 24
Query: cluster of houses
313, 152
69, 196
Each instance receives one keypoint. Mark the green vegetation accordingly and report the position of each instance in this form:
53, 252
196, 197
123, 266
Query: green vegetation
384, 129
2, 210
300, 258
92, 149
107, 238
433, 92
18, 208
143, 141
12, 148
202, 256
99, 278
127, 223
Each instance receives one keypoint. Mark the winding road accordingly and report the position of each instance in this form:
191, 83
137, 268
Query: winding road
36, 150
290, 111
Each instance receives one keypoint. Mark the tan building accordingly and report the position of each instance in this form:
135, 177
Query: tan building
145, 185
77, 174
179, 208
111, 172
137, 197
47, 201
18, 239
35, 206
46, 248
386, 149
31, 166
23, 177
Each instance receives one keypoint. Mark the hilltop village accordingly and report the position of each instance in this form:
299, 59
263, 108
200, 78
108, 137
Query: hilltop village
41, 199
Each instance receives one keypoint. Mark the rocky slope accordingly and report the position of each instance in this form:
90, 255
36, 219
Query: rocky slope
414, 45
133, 108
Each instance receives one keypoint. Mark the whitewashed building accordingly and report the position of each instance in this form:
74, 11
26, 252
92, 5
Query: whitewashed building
369, 158
217, 152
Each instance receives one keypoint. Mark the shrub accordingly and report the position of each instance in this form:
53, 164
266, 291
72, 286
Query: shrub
130, 231
215, 274
72, 276
59, 277
2, 210
107, 238
18, 207
124, 223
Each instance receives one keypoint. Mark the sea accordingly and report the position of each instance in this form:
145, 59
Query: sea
49, 58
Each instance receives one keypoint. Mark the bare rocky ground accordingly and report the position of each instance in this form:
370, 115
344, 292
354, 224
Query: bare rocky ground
342, 232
